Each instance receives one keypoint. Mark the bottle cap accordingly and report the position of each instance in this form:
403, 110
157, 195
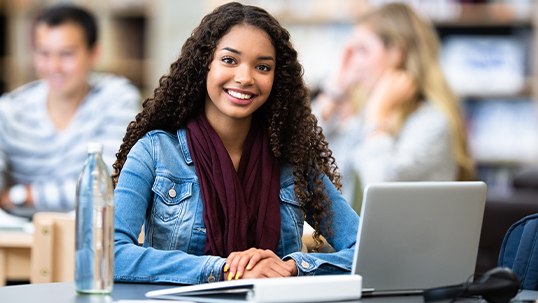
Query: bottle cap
94, 147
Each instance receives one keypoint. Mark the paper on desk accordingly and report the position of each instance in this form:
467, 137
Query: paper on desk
527, 296
144, 301
9, 221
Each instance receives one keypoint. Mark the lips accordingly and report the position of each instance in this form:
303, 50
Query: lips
56, 79
240, 97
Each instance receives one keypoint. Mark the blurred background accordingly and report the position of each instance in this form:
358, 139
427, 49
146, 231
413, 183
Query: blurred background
489, 57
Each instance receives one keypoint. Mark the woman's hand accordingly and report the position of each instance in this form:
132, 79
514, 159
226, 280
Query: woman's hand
333, 96
271, 268
347, 73
393, 90
257, 263
345, 76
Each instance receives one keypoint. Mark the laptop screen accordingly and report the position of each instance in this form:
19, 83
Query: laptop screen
418, 235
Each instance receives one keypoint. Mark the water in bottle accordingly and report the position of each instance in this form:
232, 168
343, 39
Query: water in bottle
94, 253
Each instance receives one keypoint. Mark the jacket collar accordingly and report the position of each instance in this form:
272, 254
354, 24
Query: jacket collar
182, 137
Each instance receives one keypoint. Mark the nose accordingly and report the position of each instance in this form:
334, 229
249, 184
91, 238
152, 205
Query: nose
244, 75
55, 63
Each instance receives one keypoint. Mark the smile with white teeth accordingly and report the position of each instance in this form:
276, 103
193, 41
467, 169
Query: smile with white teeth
239, 95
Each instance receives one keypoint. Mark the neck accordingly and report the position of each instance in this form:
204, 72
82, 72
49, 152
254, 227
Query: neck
232, 133
62, 107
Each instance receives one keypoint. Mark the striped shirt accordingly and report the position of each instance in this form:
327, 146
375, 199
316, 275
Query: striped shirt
33, 151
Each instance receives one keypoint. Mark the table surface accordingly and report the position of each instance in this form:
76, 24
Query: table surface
65, 293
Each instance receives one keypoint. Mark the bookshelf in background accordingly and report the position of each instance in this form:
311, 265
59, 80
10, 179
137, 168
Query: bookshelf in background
489, 60
3, 33
140, 38
127, 27
499, 99
129, 40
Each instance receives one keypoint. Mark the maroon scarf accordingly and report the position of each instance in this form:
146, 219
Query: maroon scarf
241, 209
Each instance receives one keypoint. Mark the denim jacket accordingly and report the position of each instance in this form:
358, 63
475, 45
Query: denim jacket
158, 188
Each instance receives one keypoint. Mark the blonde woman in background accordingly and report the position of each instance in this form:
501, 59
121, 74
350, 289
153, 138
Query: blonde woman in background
387, 111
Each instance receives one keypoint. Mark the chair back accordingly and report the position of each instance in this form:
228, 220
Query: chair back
519, 251
53, 250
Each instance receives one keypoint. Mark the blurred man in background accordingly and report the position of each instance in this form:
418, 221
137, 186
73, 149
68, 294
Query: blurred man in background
45, 125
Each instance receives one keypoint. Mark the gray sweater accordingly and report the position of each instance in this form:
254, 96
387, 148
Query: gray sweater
422, 150
33, 151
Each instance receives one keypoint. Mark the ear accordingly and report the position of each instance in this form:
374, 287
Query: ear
95, 53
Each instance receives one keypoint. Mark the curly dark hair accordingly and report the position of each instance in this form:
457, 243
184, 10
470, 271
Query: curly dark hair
293, 132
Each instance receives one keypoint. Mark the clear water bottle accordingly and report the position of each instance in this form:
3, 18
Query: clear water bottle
94, 235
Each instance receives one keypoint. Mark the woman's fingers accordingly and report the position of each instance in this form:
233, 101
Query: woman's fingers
404, 85
395, 88
269, 268
282, 269
256, 263
347, 54
238, 262
232, 262
260, 255
343, 76
249, 261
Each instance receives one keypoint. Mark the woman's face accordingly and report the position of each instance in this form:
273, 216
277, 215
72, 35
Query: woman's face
241, 74
370, 57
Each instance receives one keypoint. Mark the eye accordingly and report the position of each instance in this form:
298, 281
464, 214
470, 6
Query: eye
228, 60
67, 54
264, 68
362, 49
42, 53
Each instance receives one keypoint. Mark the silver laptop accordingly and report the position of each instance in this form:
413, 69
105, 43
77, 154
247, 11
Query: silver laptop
418, 235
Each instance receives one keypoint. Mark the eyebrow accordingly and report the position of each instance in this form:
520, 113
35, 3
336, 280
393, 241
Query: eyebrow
239, 53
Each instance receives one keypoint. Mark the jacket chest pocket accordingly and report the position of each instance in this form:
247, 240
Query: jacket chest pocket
170, 197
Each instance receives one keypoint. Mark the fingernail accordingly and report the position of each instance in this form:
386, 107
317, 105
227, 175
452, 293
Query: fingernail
226, 267
229, 276
237, 275
249, 267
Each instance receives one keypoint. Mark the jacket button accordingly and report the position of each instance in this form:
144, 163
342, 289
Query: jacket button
172, 193
305, 264
211, 278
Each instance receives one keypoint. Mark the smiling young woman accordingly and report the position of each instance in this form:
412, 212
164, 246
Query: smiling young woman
226, 162
239, 81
